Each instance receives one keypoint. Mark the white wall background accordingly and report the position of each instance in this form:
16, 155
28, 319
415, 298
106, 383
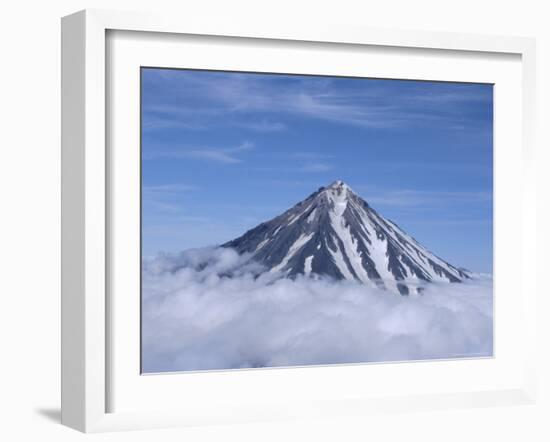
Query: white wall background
30, 220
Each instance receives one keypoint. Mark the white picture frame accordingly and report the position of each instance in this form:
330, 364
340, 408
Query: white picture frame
86, 202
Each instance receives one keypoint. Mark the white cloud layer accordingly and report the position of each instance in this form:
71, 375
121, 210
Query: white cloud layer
212, 309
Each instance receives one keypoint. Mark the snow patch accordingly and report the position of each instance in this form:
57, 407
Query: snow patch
350, 247
341, 263
298, 244
263, 243
307, 265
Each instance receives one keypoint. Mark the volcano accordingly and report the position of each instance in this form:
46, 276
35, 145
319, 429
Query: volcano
335, 233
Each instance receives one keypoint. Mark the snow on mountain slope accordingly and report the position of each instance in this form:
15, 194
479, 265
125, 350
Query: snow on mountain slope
335, 233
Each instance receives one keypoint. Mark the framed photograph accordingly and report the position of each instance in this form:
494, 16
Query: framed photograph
255, 253
266, 222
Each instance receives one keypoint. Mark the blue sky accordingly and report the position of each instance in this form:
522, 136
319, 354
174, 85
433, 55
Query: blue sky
222, 152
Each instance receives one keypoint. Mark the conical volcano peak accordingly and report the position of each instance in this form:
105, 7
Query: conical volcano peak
338, 189
337, 185
335, 233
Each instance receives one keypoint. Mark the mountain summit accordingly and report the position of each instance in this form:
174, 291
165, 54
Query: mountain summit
335, 233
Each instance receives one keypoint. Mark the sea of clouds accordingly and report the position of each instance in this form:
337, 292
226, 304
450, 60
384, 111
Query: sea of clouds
210, 308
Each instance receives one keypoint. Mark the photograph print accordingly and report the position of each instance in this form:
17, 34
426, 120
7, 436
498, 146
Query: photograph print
297, 220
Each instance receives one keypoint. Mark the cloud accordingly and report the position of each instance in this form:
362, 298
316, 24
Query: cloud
213, 309
164, 198
167, 189
261, 126
316, 167
419, 198
310, 155
202, 99
335, 108
218, 155
158, 117
155, 122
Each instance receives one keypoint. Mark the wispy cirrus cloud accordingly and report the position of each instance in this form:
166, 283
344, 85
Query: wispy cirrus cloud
474, 222
310, 156
263, 125
160, 117
199, 99
153, 122
165, 198
167, 189
417, 199
226, 155
316, 167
